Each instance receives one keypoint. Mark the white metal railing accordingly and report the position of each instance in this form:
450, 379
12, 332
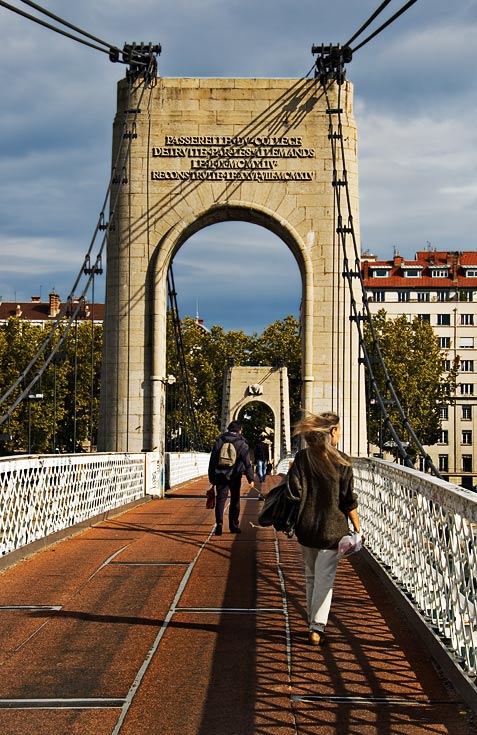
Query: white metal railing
424, 532
41, 495
184, 466
421, 529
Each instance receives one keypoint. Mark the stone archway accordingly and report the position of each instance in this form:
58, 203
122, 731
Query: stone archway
210, 150
268, 385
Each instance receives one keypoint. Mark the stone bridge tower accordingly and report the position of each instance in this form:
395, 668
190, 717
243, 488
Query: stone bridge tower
204, 151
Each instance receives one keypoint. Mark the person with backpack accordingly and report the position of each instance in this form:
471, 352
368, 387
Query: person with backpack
321, 479
229, 460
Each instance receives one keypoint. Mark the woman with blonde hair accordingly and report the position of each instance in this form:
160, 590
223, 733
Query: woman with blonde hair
321, 479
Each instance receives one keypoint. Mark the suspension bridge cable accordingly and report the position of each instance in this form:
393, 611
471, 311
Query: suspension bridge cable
53, 28
66, 311
68, 25
368, 22
385, 25
137, 55
343, 229
181, 355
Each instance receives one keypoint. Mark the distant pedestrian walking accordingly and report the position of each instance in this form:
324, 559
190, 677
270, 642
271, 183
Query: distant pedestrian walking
321, 478
229, 460
262, 457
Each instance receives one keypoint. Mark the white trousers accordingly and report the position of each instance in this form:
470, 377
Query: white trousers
320, 572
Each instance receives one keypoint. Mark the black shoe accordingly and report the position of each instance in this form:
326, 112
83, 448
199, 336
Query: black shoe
235, 530
218, 529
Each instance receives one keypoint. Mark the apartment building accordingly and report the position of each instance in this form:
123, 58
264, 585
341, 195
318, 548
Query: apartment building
44, 313
440, 287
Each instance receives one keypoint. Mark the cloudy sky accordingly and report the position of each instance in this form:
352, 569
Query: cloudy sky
415, 105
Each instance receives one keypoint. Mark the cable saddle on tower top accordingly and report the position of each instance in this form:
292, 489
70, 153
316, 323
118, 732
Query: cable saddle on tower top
330, 62
141, 57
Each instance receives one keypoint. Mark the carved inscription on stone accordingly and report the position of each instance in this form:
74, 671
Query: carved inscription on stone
225, 158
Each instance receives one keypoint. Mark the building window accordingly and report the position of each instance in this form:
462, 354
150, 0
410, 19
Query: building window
447, 365
412, 272
443, 296
466, 413
443, 437
444, 413
404, 296
467, 320
466, 295
466, 436
466, 463
466, 389
444, 343
466, 366
439, 273
423, 296
380, 272
379, 296
466, 343
471, 273
443, 462
443, 320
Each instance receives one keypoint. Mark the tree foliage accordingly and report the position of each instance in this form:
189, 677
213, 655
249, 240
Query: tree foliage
62, 413
416, 368
207, 355
65, 417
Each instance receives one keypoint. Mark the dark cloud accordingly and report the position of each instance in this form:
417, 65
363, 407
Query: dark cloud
415, 108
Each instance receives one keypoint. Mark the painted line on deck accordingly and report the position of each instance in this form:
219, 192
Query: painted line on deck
147, 661
62, 703
30, 607
149, 563
288, 646
372, 700
237, 610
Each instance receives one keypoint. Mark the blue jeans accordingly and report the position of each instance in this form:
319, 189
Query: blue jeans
262, 469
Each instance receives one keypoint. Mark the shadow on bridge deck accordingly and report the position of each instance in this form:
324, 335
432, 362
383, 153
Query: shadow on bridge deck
147, 623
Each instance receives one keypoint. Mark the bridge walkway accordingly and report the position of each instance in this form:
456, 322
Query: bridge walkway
148, 623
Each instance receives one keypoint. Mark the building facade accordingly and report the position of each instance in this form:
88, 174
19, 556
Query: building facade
440, 287
44, 313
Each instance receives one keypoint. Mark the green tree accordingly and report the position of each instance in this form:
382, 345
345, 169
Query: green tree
19, 341
280, 344
416, 368
78, 422
68, 385
207, 355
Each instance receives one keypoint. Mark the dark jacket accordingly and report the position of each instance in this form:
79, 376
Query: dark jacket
242, 465
261, 452
324, 503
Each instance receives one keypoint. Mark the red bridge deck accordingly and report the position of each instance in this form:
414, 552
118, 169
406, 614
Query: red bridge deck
148, 623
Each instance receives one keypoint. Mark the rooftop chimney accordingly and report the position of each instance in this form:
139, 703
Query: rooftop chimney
54, 305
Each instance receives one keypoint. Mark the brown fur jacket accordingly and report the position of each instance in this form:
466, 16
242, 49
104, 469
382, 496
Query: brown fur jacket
324, 502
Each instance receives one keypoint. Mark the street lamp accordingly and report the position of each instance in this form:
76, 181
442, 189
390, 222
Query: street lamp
168, 380
31, 397
57, 358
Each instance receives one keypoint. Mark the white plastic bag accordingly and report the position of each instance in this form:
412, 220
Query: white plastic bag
350, 544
